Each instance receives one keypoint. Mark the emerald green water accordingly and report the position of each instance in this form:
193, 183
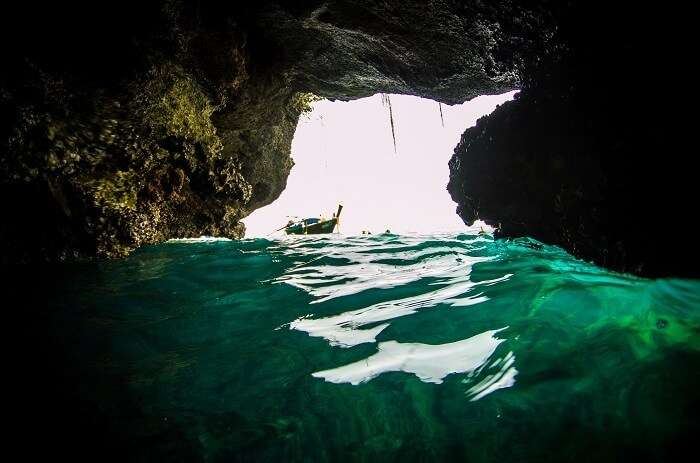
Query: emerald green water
380, 348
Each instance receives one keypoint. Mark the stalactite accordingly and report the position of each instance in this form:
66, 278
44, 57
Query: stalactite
441, 118
386, 101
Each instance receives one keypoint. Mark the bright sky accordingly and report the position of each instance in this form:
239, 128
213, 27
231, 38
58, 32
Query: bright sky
344, 154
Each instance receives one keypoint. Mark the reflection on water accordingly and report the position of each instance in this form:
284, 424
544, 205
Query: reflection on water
406, 348
505, 377
429, 363
382, 265
342, 330
449, 269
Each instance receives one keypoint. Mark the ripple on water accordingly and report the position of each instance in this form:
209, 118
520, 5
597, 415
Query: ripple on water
439, 347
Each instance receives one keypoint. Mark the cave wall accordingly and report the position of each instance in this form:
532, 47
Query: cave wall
124, 123
592, 155
110, 129
128, 123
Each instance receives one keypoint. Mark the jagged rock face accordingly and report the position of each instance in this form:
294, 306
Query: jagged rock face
126, 124
450, 51
586, 156
111, 144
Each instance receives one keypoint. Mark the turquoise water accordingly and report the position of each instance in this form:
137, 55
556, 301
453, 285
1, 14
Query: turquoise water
380, 348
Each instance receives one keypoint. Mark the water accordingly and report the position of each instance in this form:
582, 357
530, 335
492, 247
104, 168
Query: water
380, 348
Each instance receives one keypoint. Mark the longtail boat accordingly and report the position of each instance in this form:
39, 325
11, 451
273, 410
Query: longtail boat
313, 225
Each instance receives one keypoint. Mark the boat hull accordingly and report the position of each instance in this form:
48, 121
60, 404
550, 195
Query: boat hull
319, 228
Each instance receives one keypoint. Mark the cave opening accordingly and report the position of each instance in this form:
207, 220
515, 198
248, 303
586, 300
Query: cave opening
383, 157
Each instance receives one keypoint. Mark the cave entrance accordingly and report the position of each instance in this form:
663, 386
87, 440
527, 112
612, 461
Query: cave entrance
347, 153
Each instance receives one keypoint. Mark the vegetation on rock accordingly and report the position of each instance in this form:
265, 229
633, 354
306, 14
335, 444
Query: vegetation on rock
175, 118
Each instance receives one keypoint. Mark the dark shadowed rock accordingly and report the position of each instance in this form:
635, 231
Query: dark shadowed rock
128, 123
589, 156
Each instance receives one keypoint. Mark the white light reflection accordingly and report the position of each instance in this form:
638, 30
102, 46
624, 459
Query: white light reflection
430, 363
504, 378
356, 265
342, 330
369, 269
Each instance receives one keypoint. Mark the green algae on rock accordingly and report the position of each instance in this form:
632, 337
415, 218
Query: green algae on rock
198, 101
137, 164
179, 121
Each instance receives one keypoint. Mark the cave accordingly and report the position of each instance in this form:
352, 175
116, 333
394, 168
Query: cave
177, 121
126, 124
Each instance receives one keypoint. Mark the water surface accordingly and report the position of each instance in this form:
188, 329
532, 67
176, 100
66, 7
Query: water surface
380, 348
